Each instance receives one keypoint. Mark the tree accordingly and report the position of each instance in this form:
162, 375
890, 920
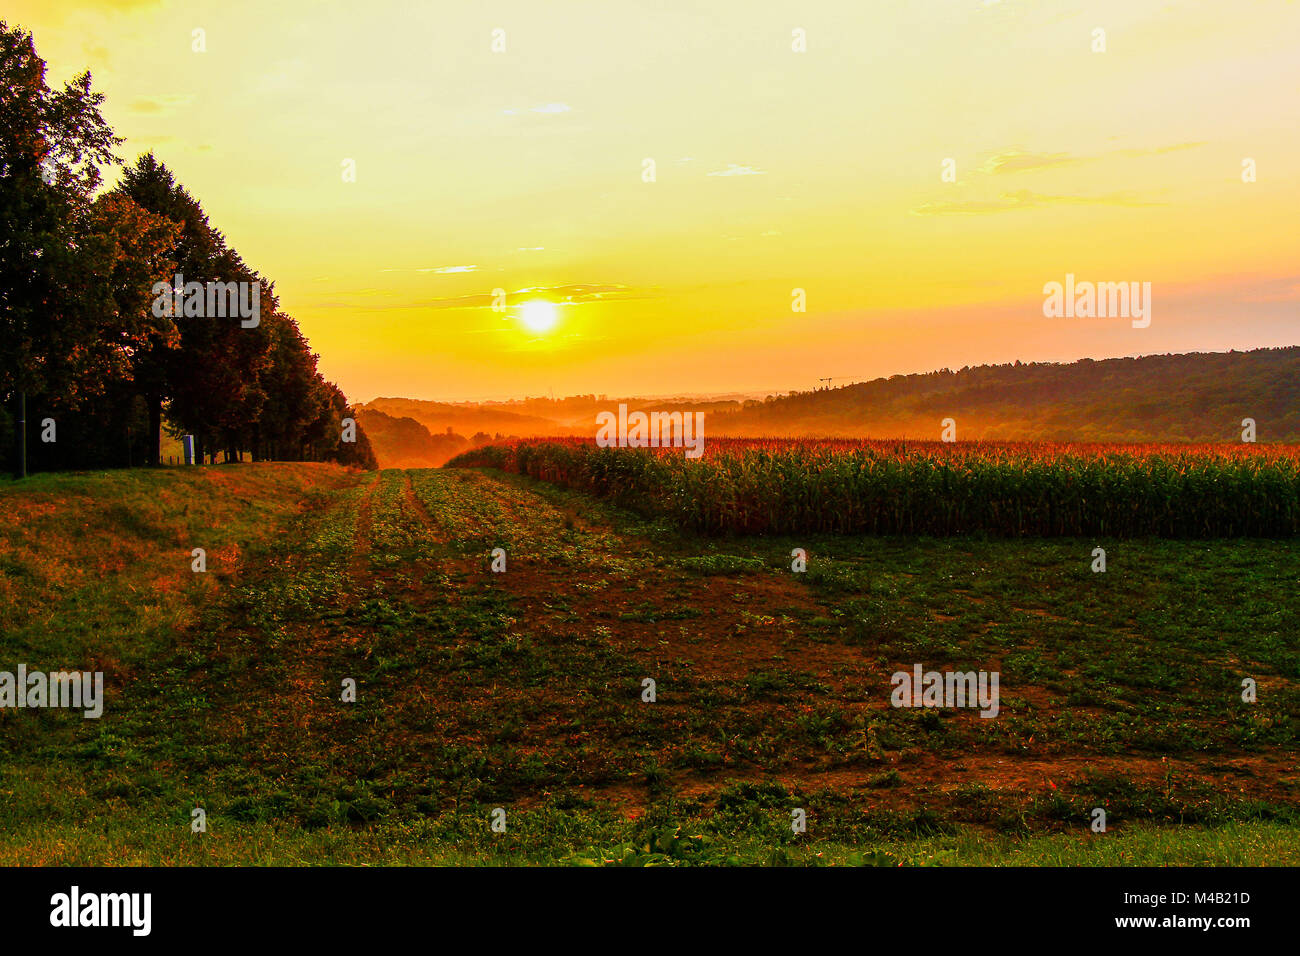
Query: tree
52, 144
79, 281
178, 370
117, 262
290, 383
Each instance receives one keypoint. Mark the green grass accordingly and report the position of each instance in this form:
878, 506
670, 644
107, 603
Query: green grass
523, 690
121, 836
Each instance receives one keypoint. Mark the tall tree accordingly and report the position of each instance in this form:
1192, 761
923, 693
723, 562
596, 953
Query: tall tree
78, 281
211, 374
170, 367
52, 145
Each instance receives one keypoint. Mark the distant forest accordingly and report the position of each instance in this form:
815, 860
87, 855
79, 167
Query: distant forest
1197, 397
82, 344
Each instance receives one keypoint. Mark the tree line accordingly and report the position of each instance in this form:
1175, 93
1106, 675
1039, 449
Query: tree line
1192, 397
94, 355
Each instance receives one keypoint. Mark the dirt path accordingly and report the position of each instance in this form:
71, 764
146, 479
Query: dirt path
360, 555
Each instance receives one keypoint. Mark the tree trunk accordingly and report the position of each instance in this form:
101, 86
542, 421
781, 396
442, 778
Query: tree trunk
153, 452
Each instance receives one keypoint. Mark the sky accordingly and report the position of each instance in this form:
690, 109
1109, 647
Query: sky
391, 165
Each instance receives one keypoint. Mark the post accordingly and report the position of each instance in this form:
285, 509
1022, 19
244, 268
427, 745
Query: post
20, 433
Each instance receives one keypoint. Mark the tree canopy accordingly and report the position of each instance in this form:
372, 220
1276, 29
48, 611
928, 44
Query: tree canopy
91, 337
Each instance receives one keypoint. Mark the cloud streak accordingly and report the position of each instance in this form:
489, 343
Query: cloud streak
734, 170
1016, 160
578, 294
1025, 199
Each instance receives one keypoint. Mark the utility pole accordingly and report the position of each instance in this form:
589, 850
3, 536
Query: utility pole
827, 381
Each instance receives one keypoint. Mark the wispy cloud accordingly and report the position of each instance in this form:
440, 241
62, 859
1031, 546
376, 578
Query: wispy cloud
580, 293
437, 270
1016, 160
734, 170
1024, 199
577, 294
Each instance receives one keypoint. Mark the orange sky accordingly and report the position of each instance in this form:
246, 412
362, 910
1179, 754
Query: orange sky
820, 170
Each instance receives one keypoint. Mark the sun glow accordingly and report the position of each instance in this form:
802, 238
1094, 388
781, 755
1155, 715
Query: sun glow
539, 316
627, 286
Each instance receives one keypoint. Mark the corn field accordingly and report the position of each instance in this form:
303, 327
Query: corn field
748, 486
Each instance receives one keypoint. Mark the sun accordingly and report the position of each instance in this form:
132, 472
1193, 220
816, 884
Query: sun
539, 316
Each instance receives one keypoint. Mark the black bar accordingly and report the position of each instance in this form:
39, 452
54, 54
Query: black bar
924, 906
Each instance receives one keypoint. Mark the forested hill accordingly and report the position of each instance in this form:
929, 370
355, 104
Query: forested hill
1192, 397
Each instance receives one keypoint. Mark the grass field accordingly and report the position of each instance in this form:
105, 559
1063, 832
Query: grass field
523, 690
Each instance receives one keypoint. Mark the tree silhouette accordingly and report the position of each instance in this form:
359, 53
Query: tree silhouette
79, 280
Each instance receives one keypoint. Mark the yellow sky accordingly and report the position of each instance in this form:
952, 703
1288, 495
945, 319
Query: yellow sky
774, 170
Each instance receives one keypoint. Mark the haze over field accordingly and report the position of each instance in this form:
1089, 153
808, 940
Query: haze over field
1182, 398
775, 170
